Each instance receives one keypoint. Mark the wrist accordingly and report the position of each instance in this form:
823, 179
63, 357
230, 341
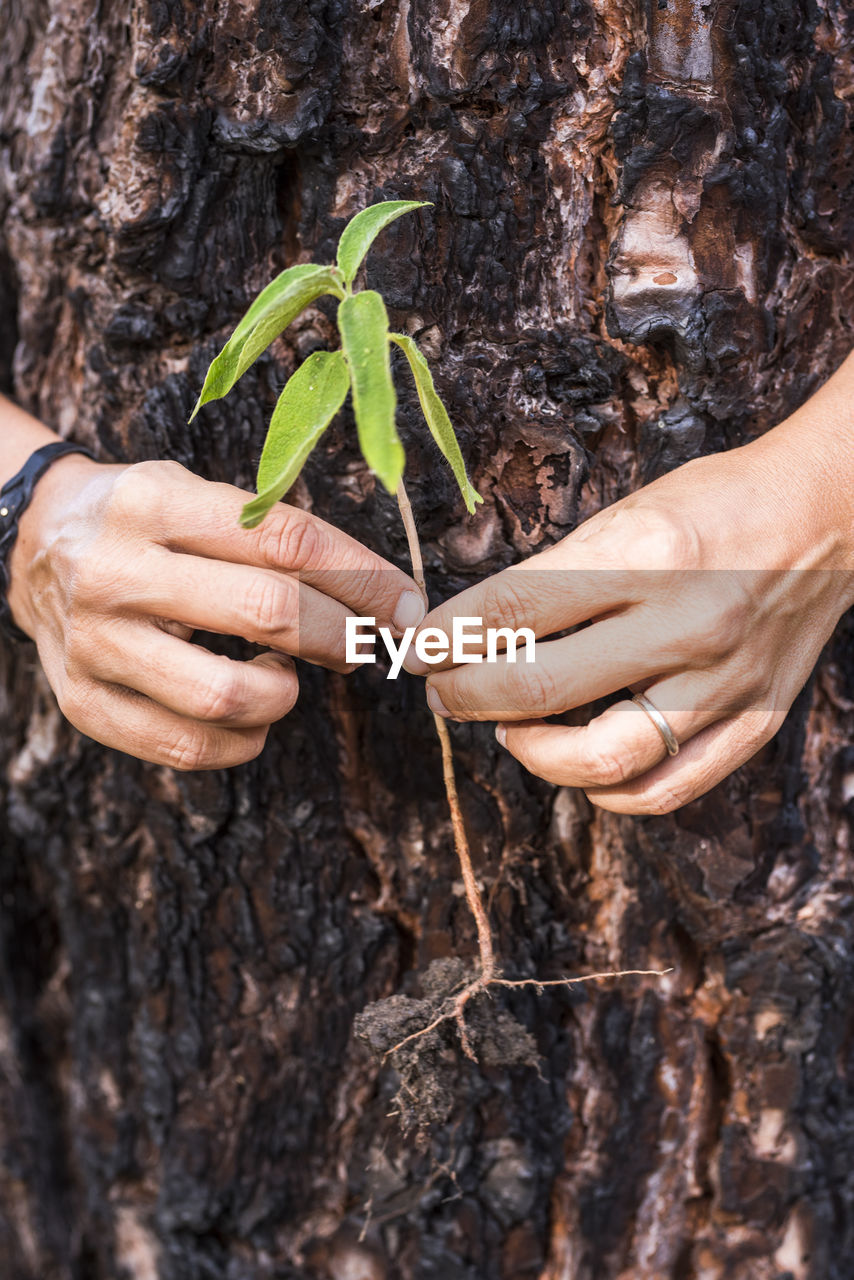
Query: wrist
810, 456
38, 526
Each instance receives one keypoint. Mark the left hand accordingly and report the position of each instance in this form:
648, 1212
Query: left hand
114, 569
712, 591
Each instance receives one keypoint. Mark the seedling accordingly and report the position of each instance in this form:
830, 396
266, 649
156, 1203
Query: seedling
319, 387
310, 400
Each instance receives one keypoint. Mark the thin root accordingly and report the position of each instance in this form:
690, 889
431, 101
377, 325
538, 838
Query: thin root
473, 897
490, 975
482, 985
585, 977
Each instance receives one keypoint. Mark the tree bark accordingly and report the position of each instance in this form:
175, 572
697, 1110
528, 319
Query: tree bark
638, 252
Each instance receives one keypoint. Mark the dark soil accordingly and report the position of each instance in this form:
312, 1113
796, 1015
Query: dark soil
429, 1064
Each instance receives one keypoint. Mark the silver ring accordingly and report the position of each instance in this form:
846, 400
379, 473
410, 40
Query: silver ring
659, 721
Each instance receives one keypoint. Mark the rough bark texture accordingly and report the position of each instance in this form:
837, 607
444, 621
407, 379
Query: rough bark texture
637, 253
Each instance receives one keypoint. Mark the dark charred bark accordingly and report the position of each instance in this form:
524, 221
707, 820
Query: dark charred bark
183, 956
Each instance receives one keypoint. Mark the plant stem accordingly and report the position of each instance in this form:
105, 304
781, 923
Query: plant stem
461, 844
473, 898
415, 555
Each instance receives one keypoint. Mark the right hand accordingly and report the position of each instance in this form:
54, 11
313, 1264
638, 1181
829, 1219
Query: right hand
114, 568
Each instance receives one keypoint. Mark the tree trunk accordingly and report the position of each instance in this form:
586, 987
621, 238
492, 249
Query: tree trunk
637, 253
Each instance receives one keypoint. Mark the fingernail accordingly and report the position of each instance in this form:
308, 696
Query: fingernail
501, 734
409, 612
435, 703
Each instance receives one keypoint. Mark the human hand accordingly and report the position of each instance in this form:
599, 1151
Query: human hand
711, 590
114, 568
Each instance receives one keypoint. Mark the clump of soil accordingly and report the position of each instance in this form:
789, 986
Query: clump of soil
421, 1039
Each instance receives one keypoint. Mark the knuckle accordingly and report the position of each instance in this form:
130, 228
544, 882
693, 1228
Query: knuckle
85, 576
219, 699
536, 692
716, 629
504, 602
267, 605
729, 627
138, 487
97, 578
187, 751
294, 540
708, 643
762, 723
78, 644
76, 700
607, 769
70, 703
658, 540
663, 798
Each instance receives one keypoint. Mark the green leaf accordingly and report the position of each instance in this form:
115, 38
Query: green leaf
363, 322
437, 417
311, 398
277, 315
361, 232
271, 312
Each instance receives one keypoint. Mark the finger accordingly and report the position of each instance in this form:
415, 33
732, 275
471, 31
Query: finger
203, 519
273, 609
529, 595
192, 681
133, 724
618, 745
567, 673
703, 762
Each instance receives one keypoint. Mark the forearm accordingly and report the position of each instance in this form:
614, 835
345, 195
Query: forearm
811, 455
20, 435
